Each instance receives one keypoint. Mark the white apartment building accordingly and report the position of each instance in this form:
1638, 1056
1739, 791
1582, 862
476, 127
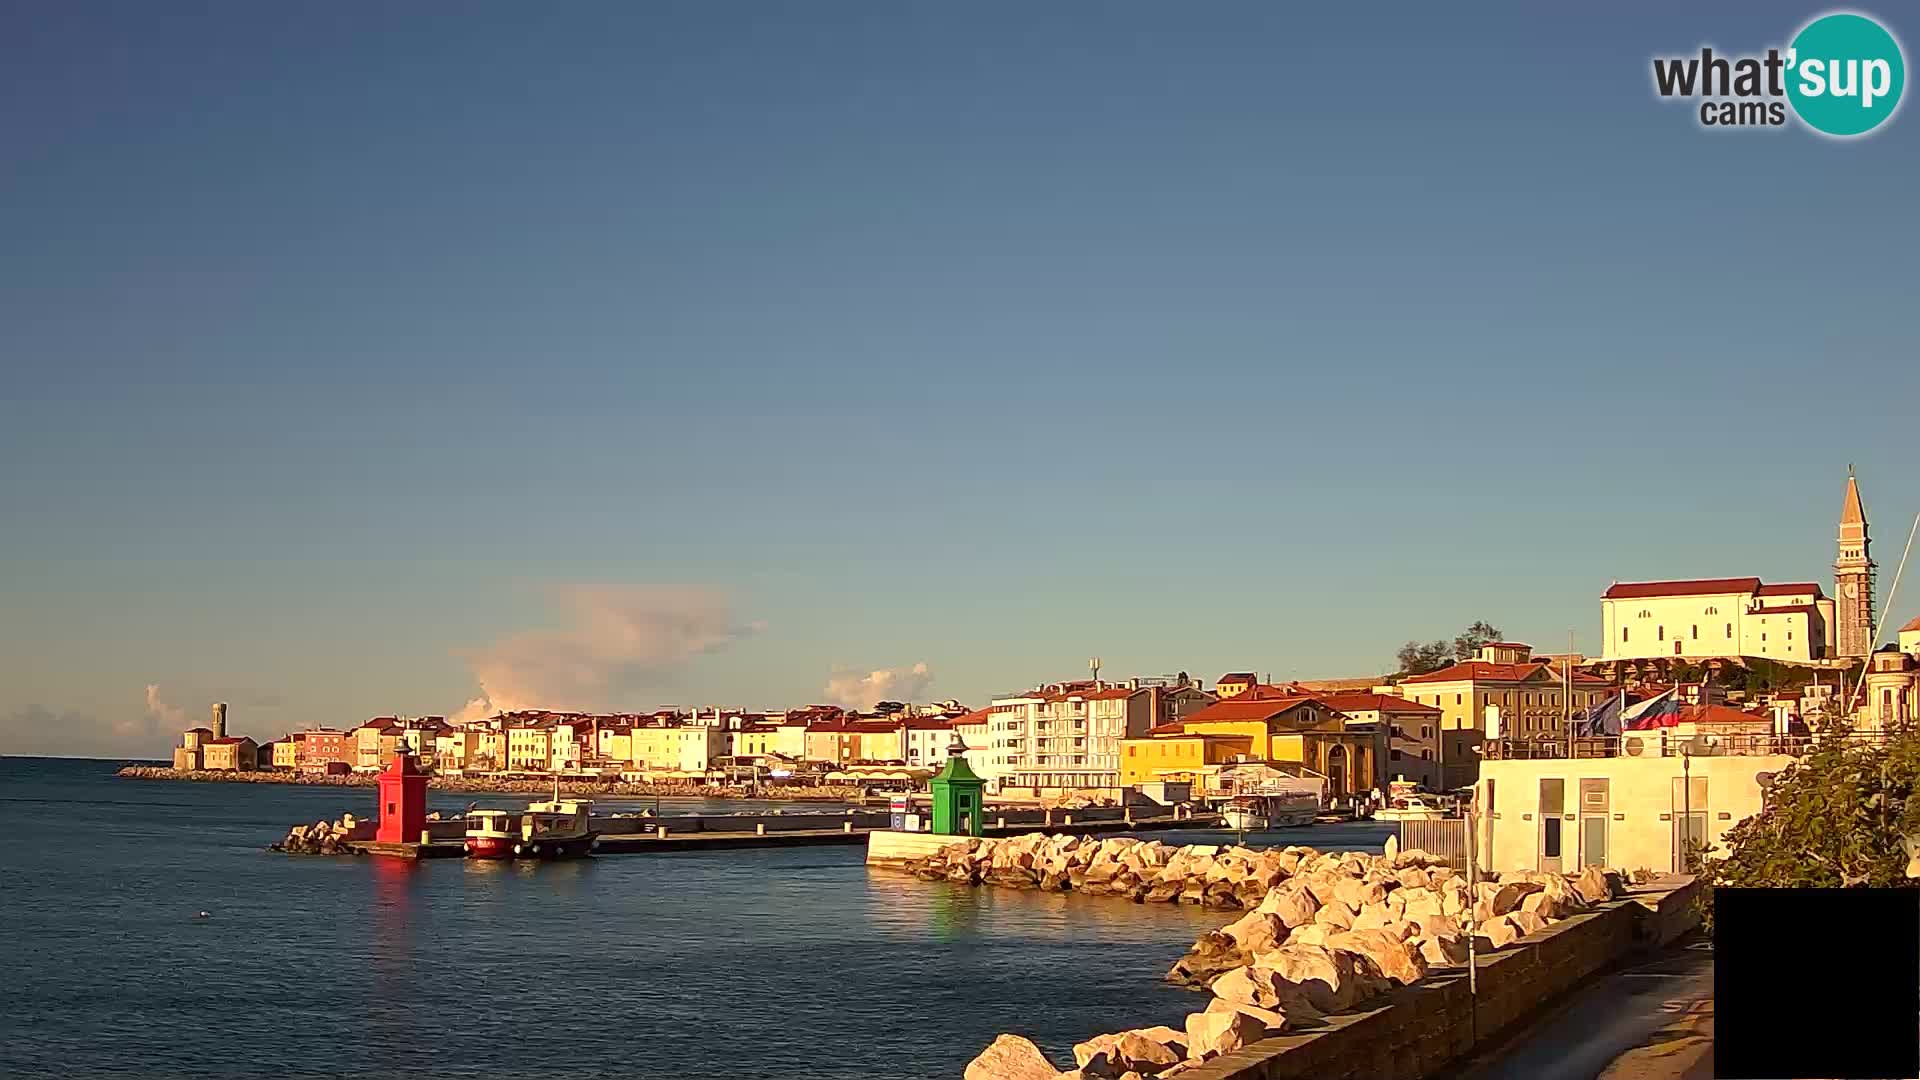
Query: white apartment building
1717, 617
1066, 736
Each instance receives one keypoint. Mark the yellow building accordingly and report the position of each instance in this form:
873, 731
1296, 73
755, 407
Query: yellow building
375, 743
1529, 694
286, 753
787, 740
1234, 683
688, 749
530, 745
1179, 758
1258, 724
230, 754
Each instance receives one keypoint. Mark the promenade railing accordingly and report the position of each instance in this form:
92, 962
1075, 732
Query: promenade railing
1662, 742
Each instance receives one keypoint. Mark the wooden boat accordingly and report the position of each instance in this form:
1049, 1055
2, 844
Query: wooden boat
556, 829
490, 834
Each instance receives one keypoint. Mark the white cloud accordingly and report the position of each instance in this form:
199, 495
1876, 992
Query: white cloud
857, 691
621, 639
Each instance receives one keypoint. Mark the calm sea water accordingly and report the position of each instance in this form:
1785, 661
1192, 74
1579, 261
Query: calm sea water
797, 965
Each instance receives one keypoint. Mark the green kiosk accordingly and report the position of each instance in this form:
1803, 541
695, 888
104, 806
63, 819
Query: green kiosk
957, 795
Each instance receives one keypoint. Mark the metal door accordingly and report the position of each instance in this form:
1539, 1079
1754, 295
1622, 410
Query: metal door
1553, 803
1595, 804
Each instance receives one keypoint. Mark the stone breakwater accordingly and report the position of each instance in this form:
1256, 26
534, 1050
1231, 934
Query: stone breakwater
322, 838
484, 785
1323, 933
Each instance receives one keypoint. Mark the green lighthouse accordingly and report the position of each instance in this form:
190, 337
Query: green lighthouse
957, 794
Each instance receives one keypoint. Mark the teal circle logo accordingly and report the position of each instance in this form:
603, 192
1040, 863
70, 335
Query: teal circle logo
1845, 74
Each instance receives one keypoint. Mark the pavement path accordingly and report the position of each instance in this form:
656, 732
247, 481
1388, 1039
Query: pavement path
1651, 1021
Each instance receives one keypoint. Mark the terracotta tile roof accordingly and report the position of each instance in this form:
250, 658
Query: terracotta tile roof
1483, 671
1912, 626
930, 723
977, 716
231, 740
1235, 676
1242, 708
1509, 645
1635, 590
1371, 702
1790, 589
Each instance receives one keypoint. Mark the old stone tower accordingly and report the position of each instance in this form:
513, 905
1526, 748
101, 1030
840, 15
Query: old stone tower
1853, 578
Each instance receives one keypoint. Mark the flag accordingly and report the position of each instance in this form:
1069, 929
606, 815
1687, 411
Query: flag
1600, 720
1661, 710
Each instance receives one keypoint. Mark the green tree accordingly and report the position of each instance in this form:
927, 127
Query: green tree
1840, 816
1468, 643
1417, 659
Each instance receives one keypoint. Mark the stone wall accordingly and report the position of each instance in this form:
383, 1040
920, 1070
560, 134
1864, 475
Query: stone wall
1419, 1029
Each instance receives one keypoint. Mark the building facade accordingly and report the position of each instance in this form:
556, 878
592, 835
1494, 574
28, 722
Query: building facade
1067, 737
1407, 734
1259, 724
1530, 696
1716, 617
230, 754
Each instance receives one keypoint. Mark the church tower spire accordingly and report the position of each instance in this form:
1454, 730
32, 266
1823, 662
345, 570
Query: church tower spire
1853, 577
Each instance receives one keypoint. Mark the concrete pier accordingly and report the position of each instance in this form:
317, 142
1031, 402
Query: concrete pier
446, 839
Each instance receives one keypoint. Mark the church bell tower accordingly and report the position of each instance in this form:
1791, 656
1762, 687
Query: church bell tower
1853, 578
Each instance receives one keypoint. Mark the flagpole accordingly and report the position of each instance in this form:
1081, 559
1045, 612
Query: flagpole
1566, 695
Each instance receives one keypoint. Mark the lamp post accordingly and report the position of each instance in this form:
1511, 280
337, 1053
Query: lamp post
1686, 804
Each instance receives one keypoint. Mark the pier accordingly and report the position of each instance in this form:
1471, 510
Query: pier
690, 834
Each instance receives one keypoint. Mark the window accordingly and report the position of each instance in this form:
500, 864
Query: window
1696, 633
1623, 633
1456, 699
1660, 633
1729, 631
1713, 611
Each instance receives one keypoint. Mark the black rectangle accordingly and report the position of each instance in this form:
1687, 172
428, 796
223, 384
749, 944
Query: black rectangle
1816, 983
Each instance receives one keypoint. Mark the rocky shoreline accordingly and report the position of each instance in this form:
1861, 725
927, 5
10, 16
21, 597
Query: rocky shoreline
482, 785
1324, 933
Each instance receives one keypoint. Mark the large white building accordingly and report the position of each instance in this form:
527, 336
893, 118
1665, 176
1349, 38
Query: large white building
1066, 737
1717, 617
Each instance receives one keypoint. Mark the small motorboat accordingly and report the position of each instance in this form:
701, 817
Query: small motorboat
490, 834
1409, 808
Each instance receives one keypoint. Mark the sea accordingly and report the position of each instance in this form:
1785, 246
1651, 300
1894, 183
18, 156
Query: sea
800, 964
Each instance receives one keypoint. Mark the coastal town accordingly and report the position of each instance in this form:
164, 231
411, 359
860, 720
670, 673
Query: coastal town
1694, 680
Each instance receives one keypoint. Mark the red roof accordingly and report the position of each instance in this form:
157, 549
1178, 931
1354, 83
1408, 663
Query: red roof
977, 716
1243, 708
229, 740
1371, 702
929, 723
1633, 590
1912, 626
1235, 676
1794, 589
1483, 671
1509, 645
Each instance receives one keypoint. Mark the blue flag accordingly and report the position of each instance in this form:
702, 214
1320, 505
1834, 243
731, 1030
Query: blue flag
1600, 720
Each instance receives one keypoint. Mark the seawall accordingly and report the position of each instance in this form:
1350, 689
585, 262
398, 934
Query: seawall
1415, 1032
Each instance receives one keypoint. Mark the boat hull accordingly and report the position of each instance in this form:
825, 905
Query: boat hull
572, 847
489, 847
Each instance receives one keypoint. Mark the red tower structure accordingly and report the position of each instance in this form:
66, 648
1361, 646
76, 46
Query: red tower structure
403, 801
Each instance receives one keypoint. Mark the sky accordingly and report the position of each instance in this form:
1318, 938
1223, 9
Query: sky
438, 357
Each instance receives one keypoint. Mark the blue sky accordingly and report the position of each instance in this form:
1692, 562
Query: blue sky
695, 352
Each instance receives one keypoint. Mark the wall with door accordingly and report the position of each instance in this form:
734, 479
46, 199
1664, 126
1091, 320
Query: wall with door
1618, 812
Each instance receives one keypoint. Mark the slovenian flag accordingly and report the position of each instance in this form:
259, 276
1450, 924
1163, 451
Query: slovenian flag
1661, 710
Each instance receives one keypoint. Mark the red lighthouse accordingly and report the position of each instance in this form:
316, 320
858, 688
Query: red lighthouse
403, 802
